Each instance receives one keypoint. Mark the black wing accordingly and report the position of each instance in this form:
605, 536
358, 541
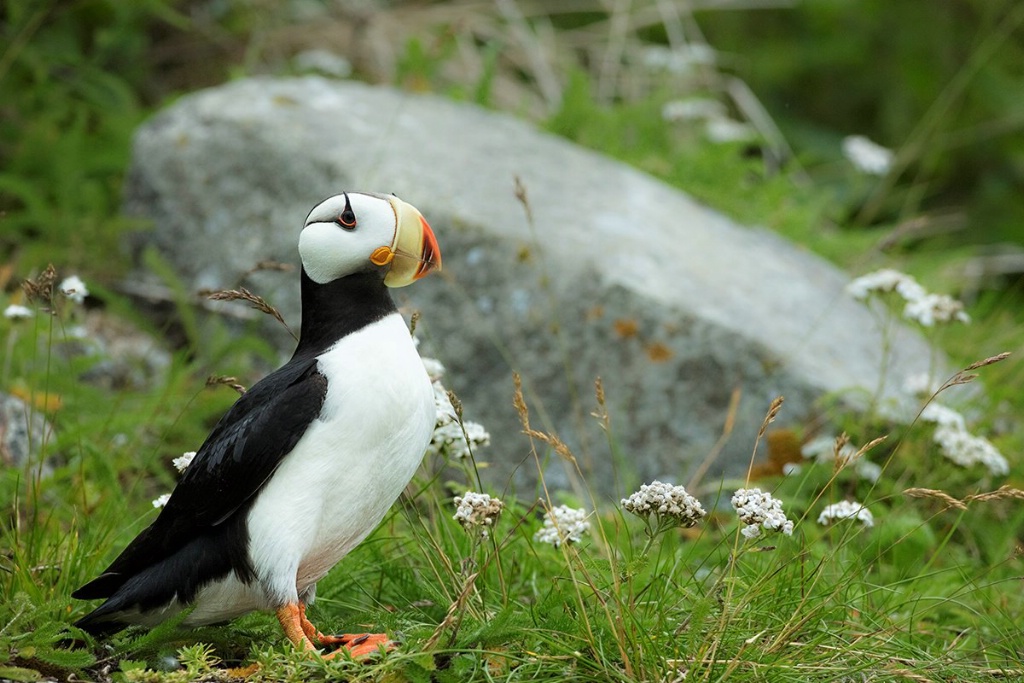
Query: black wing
233, 464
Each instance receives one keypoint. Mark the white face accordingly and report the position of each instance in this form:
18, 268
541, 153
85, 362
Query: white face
342, 232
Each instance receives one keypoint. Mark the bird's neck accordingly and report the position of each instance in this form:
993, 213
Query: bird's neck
338, 308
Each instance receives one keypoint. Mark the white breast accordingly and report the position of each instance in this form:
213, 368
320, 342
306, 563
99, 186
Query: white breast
349, 467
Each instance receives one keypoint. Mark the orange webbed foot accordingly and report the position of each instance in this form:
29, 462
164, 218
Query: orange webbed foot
358, 644
303, 634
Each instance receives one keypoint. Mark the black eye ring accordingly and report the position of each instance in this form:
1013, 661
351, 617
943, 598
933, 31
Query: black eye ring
347, 219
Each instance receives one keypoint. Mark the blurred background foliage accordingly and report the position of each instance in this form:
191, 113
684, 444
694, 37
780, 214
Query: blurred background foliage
942, 84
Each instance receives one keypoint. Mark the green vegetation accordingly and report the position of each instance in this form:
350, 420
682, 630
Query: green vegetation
930, 592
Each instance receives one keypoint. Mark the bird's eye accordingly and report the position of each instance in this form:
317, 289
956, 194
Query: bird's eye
347, 219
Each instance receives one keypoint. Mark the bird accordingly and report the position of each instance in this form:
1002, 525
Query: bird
306, 463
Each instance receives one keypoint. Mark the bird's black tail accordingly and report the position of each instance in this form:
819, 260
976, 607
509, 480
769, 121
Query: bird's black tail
162, 589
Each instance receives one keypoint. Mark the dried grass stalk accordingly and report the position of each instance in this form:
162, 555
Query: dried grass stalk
1002, 493
773, 411
41, 288
988, 361
519, 402
256, 301
554, 442
227, 381
935, 494
453, 616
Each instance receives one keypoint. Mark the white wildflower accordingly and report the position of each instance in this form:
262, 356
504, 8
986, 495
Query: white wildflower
886, 280
477, 512
921, 306
74, 289
920, 384
822, 449
846, 510
434, 367
449, 438
935, 308
162, 500
184, 461
678, 60
958, 444
666, 502
943, 416
790, 469
693, 109
443, 406
966, 449
867, 156
16, 312
868, 471
563, 524
722, 130
758, 510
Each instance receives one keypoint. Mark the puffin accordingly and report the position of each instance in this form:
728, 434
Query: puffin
307, 462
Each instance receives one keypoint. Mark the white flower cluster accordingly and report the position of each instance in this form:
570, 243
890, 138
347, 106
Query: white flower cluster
74, 289
758, 510
867, 156
943, 416
846, 509
666, 502
886, 280
692, 109
448, 436
184, 461
180, 463
477, 512
822, 450
921, 384
958, 444
935, 308
443, 405
725, 130
563, 524
923, 307
718, 127
16, 312
678, 60
434, 368
867, 470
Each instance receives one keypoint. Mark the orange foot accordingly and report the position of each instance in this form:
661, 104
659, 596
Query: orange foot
302, 633
359, 644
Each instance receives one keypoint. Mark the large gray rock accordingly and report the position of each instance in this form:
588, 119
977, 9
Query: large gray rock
617, 275
24, 434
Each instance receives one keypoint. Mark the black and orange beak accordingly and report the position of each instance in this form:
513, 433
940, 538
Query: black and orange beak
413, 252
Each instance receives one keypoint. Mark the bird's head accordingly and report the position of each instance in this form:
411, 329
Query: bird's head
357, 232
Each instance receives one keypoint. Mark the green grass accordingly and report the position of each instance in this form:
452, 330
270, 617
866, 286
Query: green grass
927, 592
